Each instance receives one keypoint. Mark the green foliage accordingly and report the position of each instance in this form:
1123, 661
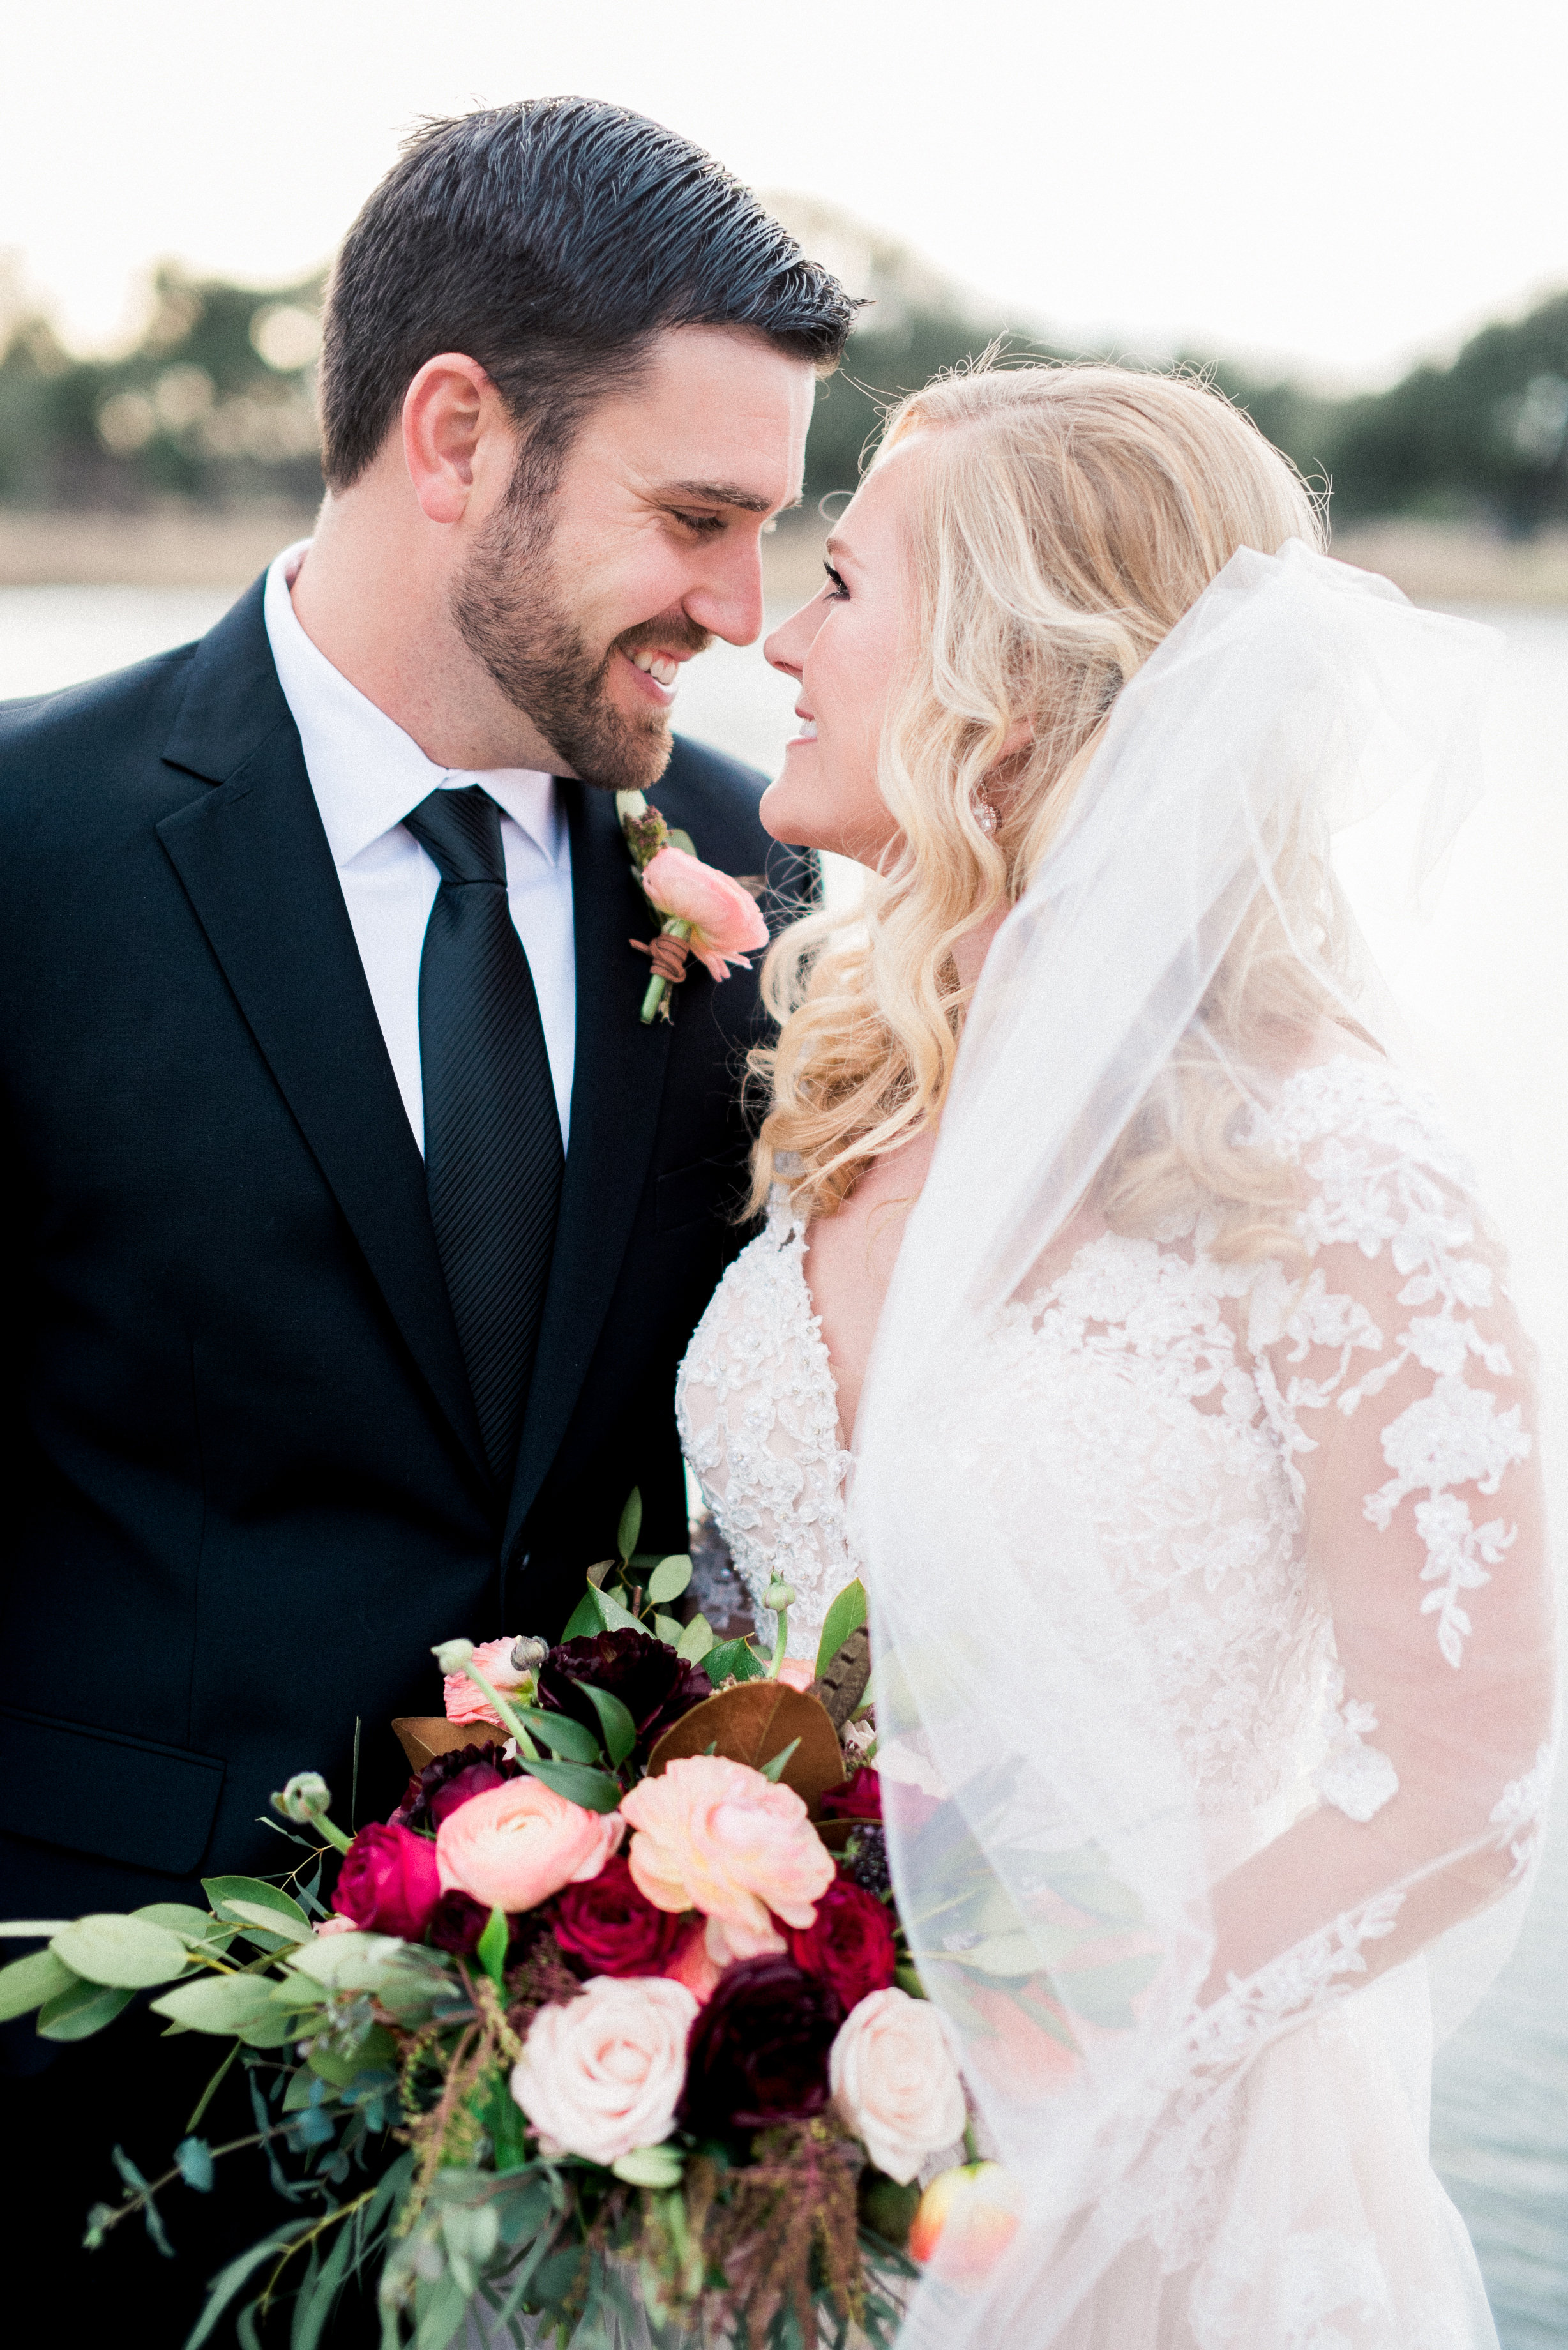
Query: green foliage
569, 1738
491, 1949
127, 1953
780, 1763
670, 1578
732, 1661
615, 1720
596, 1790
231, 2005
29, 1982
846, 1613
630, 1524
79, 2011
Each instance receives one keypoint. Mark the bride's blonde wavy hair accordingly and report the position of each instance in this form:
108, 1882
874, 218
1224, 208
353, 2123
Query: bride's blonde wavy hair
1061, 522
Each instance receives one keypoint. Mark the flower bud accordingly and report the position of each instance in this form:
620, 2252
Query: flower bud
528, 1655
452, 1654
779, 1595
306, 1794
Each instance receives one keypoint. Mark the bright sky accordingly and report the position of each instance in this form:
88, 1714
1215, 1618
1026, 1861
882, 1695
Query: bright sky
1343, 184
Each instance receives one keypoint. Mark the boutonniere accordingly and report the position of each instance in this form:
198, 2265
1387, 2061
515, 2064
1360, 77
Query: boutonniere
706, 914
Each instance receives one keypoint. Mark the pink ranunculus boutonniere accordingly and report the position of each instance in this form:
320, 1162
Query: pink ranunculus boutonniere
706, 914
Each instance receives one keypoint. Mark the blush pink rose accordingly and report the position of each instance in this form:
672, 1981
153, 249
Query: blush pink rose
796, 1674
726, 926
895, 2084
516, 1845
715, 1835
465, 1701
602, 2076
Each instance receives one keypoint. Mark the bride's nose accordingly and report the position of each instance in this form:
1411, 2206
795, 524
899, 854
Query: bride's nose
789, 644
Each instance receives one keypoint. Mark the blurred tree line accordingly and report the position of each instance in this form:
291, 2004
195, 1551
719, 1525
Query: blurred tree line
214, 403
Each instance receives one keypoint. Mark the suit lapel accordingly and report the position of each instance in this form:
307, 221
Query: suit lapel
618, 1083
255, 863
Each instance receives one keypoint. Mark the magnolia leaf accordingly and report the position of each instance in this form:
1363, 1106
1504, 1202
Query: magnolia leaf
670, 1578
126, 1953
846, 1613
615, 1720
668, 1629
227, 2004
617, 1618
76, 2013
586, 1618
596, 1790
650, 2165
696, 1640
732, 1661
27, 1982
563, 1735
751, 1723
630, 1524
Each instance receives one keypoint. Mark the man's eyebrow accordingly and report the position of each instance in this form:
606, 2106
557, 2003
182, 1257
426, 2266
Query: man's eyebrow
722, 494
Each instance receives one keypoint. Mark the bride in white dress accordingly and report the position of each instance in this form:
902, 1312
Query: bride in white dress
1174, 1408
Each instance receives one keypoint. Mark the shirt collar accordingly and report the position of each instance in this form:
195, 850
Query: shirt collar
366, 773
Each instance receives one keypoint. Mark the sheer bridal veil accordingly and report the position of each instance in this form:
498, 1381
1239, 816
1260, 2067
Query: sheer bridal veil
1146, 1833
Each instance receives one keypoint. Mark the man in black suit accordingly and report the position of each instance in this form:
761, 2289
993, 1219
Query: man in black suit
341, 885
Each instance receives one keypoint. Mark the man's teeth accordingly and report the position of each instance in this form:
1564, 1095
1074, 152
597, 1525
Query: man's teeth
657, 665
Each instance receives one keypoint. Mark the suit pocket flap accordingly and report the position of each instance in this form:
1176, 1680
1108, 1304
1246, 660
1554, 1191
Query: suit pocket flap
96, 1790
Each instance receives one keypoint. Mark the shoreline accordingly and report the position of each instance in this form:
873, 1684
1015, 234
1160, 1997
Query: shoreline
180, 547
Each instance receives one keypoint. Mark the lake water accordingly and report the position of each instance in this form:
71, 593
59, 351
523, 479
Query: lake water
1492, 971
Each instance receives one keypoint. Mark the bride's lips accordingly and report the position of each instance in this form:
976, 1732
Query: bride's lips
807, 729
658, 681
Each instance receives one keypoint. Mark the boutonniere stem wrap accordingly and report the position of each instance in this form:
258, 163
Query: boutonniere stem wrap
705, 912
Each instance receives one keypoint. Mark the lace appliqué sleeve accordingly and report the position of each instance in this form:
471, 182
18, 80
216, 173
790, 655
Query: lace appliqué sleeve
1400, 1302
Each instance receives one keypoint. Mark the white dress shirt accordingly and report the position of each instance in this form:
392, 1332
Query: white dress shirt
367, 776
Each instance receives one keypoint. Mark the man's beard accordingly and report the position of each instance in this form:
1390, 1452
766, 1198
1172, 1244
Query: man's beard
510, 614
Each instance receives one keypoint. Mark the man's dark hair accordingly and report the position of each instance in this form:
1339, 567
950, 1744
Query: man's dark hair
550, 240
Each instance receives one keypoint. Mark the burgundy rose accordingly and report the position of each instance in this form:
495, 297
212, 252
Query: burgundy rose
388, 1883
848, 1945
450, 1779
758, 2052
655, 1685
457, 1922
614, 1928
860, 1798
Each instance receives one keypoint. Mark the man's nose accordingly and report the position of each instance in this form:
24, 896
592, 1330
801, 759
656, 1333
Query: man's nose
728, 600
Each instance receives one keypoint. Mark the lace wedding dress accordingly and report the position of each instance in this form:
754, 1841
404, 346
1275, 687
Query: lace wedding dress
1263, 1447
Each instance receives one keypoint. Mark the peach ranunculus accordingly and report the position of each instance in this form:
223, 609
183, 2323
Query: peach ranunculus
895, 2084
464, 1700
515, 1845
972, 2214
726, 926
796, 1673
602, 2074
715, 1835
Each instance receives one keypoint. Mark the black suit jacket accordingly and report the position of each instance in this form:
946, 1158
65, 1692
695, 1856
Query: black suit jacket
243, 1490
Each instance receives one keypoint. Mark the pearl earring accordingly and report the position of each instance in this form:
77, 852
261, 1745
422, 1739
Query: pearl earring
984, 815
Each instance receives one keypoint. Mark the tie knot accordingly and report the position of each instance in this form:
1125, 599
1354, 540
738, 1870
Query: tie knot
462, 831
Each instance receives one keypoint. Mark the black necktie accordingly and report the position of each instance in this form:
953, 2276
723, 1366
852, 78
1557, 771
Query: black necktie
492, 1137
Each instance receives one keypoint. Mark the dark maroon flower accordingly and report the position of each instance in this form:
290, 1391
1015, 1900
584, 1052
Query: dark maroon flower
457, 1922
860, 1798
758, 2050
613, 1928
388, 1883
474, 1769
848, 1945
655, 1685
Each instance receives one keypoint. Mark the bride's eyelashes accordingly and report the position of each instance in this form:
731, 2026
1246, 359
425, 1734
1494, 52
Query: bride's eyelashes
840, 594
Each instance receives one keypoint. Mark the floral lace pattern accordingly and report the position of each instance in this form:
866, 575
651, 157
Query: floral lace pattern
758, 1425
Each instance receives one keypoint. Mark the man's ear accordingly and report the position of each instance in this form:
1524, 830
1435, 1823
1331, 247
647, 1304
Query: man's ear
453, 416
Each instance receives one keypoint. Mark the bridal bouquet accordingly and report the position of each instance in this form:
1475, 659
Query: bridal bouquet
622, 1975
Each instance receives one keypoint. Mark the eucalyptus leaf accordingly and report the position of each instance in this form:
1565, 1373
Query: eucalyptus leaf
223, 1892
339, 2067
600, 1569
1102, 1995
596, 1790
126, 1953
194, 2156
615, 1720
650, 2165
27, 1982
78, 2013
616, 1617
630, 1524
179, 1917
670, 1578
349, 1961
696, 1640
569, 1738
279, 1930
227, 2281
227, 2004
668, 1629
